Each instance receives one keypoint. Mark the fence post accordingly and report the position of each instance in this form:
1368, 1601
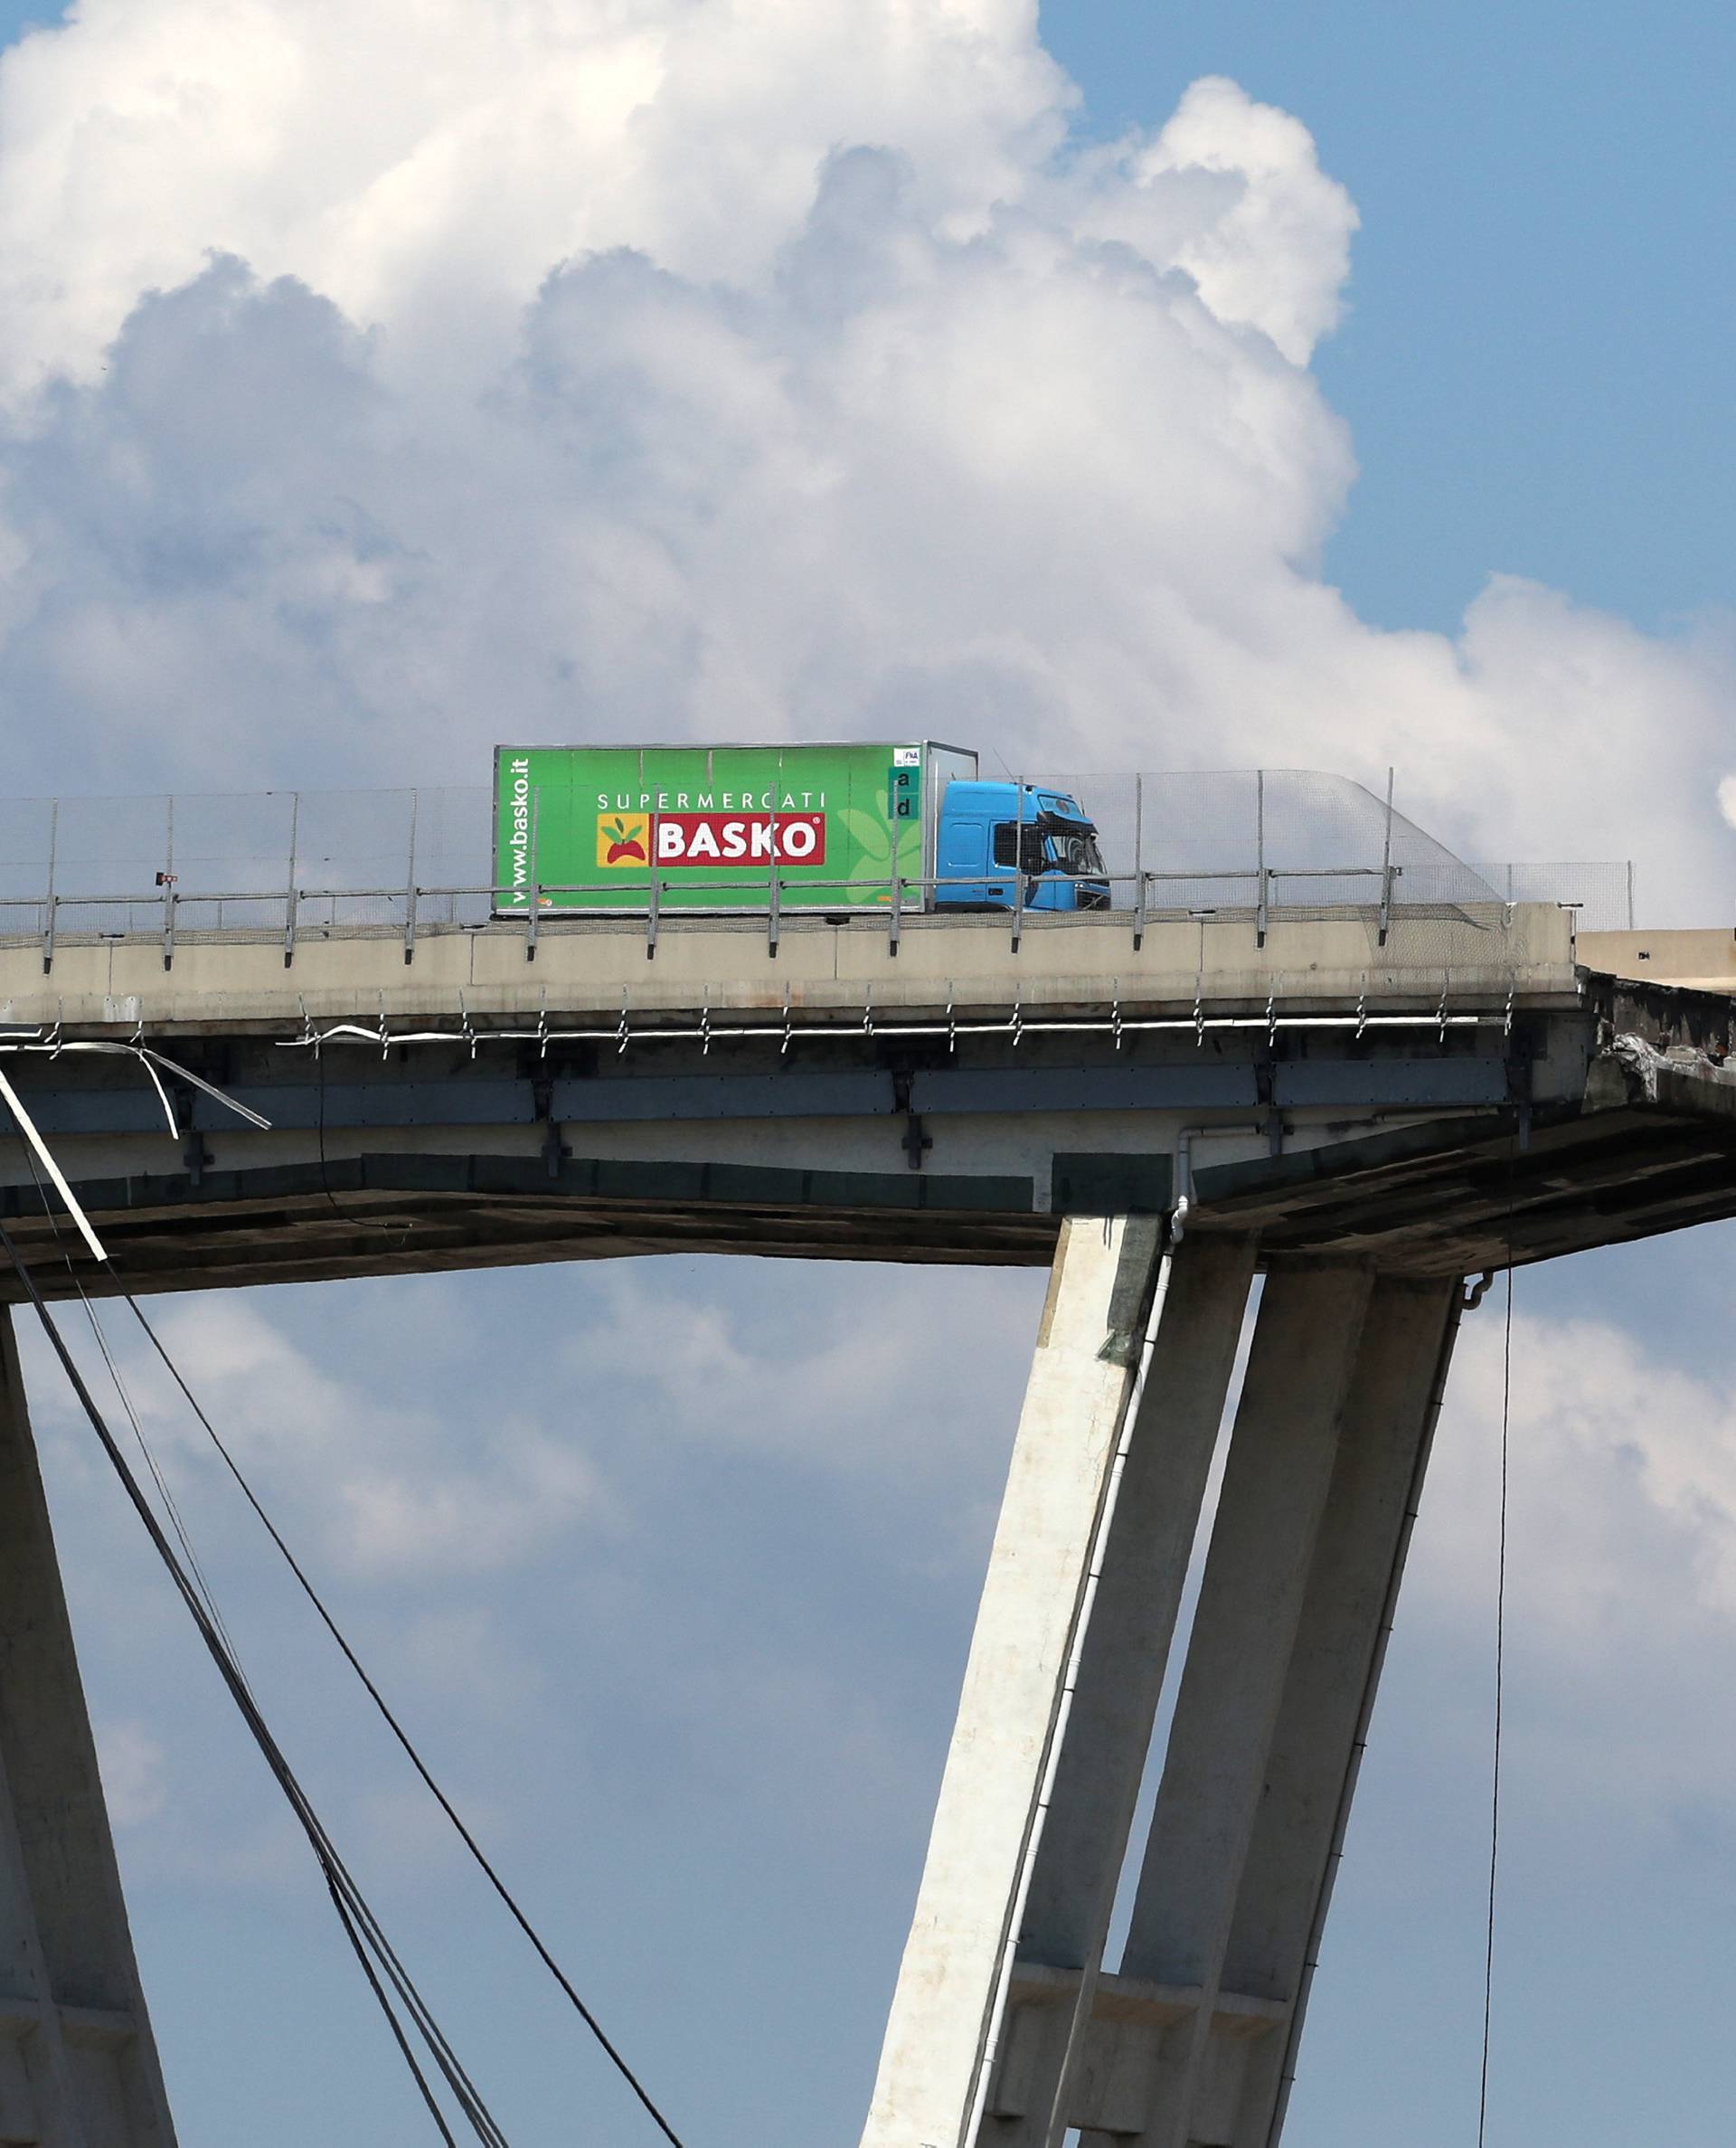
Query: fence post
48, 907
653, 905
1260, 848
1018, 865
1631, 926
1386, 866
536, 885
1138, 861
409, 898
169, 891
771, 862
895, 915
289, 892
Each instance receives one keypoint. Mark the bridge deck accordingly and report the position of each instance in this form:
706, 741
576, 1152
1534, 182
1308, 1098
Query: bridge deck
493, 1101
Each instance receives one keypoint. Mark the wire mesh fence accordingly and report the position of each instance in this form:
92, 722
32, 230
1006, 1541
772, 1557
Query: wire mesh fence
1270, 843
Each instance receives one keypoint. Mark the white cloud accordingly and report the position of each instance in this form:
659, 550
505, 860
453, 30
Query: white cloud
135, 1773
426, 163
864, 1381
394, 1491
1273, 252
748, 369
1630, 1462
1621, 1562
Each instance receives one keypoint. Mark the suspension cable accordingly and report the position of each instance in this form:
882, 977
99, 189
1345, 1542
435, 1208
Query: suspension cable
359, 1922
469, 1840
471, 1844
1500, 1672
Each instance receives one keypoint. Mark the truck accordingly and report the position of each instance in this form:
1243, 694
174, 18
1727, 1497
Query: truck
839, 828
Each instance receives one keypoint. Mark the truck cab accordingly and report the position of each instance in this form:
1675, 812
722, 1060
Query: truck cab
993, 835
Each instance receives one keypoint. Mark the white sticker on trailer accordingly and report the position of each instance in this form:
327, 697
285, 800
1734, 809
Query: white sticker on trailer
907, 756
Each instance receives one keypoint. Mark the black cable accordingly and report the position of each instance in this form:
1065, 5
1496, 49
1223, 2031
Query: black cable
207, 1597
403, 1736
157, 1477
207, 1600
337, 1875
420, 2078
1500, 1668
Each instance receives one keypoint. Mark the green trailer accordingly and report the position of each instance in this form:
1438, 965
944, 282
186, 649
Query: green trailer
708, 827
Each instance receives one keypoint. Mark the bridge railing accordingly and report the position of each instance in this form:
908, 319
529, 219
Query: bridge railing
1265, 844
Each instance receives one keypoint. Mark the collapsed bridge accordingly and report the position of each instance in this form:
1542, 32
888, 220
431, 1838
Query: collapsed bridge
1364, 1110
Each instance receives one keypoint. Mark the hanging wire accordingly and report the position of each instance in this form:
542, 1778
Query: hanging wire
1500, 1671
132, 1416
209, 1604
361, 1925
403, 1738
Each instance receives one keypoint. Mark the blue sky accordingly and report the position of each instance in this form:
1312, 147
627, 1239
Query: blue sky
1532, 356
355, 414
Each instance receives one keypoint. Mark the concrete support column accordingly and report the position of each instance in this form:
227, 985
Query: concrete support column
1280, 1463
1329, 1691
1081, 1378
78, 2063
1144, 1561
1192, 2044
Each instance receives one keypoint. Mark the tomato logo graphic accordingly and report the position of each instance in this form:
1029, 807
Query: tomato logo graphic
623, 838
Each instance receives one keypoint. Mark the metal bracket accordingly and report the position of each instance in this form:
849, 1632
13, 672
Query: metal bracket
916, 1142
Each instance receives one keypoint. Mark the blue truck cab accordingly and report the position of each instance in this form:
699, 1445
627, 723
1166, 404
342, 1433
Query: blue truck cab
989, 837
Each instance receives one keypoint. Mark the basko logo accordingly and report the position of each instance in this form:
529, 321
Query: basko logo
710, 838
623, 838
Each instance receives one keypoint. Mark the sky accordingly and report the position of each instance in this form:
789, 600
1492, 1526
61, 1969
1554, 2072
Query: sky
1138, 387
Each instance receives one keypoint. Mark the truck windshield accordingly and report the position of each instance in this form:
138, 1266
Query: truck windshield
1073, 847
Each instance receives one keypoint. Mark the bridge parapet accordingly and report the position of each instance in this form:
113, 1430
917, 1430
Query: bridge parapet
1475, 954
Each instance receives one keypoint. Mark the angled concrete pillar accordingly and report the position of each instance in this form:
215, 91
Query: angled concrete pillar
78, 2065
1281, 1453
1190, 2044
1329, 1691
1143, 1565
1081, 1378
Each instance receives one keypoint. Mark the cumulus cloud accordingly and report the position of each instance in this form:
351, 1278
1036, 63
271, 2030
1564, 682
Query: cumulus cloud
395, 1490
739, 370
135, 1773
886, 1394
426, 163
1622, 1561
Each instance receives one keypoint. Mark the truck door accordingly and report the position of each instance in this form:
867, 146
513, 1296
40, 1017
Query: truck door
964, 851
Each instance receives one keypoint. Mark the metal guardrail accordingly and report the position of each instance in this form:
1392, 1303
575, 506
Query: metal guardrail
1263, 844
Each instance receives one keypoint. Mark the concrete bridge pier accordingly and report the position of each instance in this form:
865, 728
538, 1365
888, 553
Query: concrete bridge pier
78, 2063
1007, 2026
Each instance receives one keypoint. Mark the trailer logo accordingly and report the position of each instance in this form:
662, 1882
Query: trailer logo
623, 838
739, 839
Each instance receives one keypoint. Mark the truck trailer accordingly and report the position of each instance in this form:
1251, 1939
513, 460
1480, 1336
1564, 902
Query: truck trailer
834, 828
